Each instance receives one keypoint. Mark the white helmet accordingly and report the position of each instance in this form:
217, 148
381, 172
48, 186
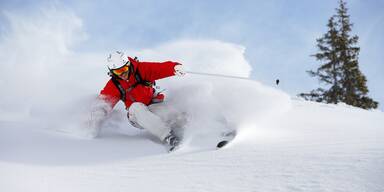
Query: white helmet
116, 60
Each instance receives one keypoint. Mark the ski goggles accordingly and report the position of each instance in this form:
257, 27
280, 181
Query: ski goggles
120, 70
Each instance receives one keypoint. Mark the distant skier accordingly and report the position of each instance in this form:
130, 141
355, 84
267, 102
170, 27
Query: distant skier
277, 81
132, 82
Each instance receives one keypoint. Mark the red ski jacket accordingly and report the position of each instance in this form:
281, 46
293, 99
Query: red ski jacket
148, 71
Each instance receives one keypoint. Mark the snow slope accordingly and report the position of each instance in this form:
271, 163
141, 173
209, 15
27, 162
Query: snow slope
311, 147
283, 144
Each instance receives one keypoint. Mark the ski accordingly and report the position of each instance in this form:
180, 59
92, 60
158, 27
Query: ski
224, 139
227, 138
222, 144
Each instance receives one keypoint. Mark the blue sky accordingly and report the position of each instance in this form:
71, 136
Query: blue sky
279, 35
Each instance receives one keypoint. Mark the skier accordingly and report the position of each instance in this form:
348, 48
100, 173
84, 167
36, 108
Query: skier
132, 82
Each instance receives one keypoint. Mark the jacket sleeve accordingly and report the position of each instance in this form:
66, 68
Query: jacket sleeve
152, 71
110, 94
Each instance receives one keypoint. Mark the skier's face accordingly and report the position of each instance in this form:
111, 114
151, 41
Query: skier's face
122, 72
124, 76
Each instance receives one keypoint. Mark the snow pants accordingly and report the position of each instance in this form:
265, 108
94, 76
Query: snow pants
139, 114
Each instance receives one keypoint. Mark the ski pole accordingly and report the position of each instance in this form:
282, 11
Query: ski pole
218, 75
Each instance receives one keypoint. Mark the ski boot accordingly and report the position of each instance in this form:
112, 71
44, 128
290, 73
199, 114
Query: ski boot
172, 141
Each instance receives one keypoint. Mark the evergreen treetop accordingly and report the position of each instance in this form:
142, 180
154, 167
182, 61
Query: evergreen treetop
339, 70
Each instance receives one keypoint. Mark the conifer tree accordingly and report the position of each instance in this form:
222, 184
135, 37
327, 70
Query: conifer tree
340, 70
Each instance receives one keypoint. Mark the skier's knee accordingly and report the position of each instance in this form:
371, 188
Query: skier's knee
135, 108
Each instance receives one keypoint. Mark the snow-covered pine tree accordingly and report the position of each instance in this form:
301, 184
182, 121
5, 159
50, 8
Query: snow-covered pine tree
340, 70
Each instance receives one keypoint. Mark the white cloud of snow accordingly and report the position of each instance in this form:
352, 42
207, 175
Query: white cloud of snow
50, 83
33, 51
208, 56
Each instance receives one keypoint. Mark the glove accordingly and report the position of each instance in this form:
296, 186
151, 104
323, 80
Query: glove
179, 70
98, 113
